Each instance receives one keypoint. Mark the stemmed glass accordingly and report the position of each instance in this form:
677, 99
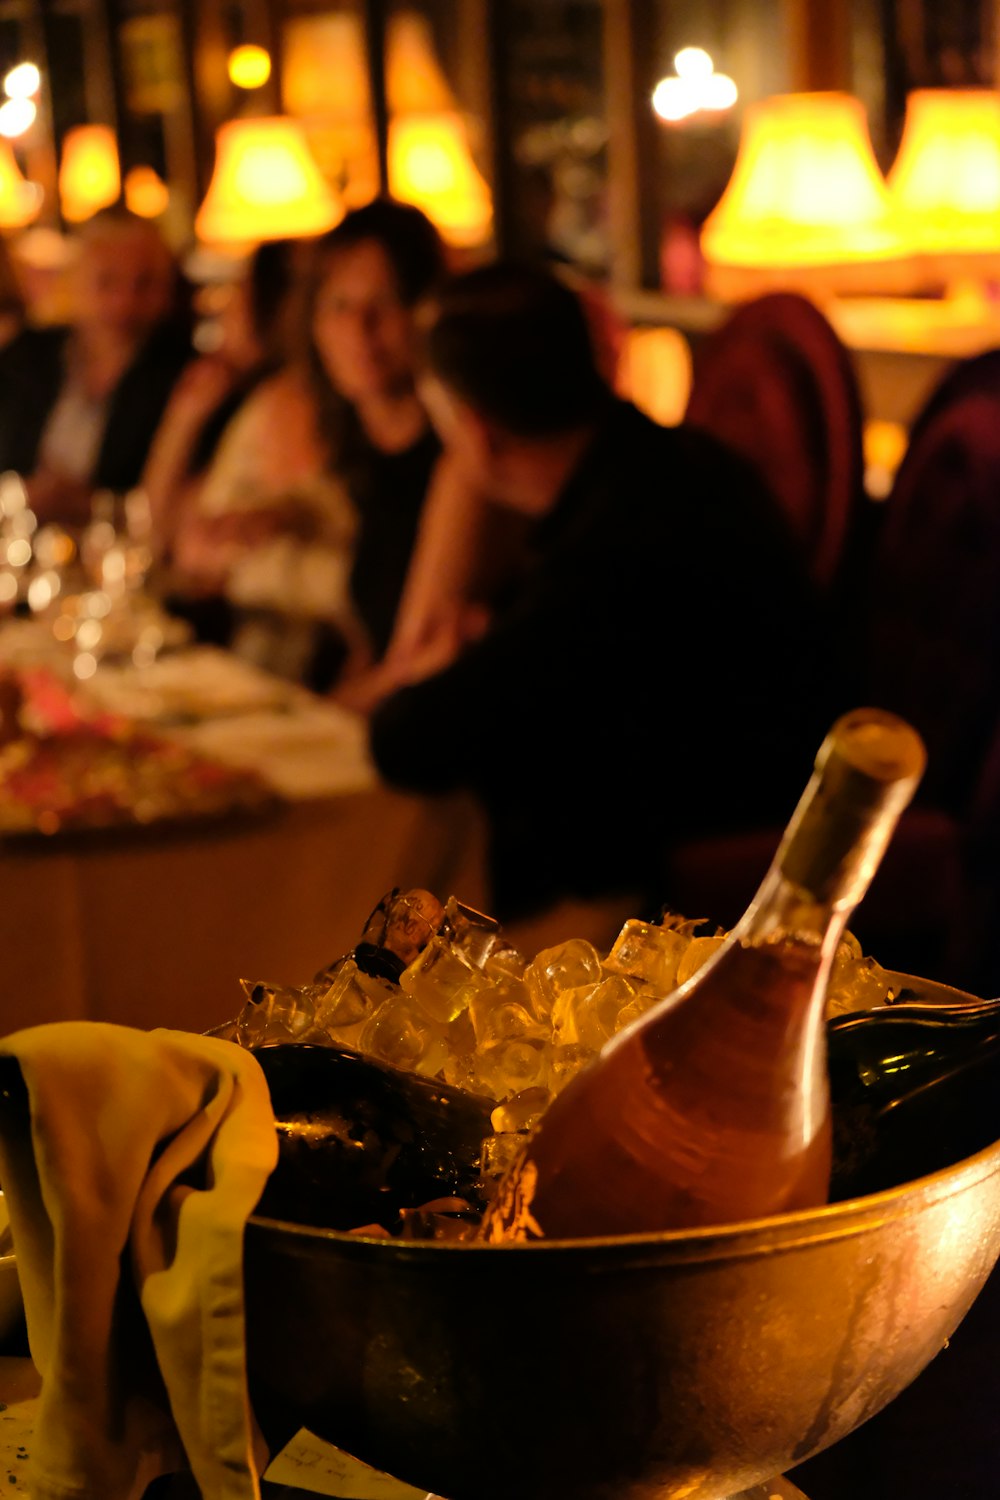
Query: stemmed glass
117, 554
18, 524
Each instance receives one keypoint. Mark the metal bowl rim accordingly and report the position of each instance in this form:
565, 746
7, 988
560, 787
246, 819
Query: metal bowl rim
716, 1242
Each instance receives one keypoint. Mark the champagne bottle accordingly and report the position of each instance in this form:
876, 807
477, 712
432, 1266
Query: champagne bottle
915, 1088
359, 1142
715, 1106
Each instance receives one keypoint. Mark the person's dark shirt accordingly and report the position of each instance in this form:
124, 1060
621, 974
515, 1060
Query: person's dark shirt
388, 490
659, 672
32, 374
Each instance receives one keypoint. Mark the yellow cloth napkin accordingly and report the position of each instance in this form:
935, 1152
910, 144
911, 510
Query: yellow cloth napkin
128, 1196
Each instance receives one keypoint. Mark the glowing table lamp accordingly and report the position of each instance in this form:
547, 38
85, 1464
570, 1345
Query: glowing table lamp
146, 194
430, 162
414, 80
19, 200
806, 205
430, 165
89, 175
325, 81
325, 85
945, 181
266, 185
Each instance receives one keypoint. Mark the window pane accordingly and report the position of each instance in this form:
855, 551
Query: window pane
553, 82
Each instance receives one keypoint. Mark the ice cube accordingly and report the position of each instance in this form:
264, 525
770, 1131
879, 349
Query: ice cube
509, 1067
473, 934
588, 1015
351, 999
648, 952
278, 1013
499, 1154
399, 1033
521, 1111
565, 1062
498, 1018
698, 951
441, 980
856, 982
564, 967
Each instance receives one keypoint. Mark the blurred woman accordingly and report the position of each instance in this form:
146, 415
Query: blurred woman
430, 551
253, 342
312, 504
372, 271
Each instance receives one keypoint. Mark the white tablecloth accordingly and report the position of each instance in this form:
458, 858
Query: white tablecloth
157, 927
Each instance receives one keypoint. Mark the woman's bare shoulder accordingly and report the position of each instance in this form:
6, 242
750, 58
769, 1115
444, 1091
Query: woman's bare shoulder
285, 394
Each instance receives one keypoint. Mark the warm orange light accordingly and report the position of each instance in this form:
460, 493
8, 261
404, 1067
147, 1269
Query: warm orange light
414, 82
325, 85
22, 82
17, 116
430, 164
945, 181
806, 189
89, 176
655, 373
249, 67
884, 447
430, 160
266, 185
146, 194
19, 200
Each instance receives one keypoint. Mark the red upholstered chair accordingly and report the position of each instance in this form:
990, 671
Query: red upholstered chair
930, 650
977, 376
776, 384
933, 628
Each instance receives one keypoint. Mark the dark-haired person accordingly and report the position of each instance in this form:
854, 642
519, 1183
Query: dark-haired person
373, 270
79, 405
254, 341
655, 669
313, 502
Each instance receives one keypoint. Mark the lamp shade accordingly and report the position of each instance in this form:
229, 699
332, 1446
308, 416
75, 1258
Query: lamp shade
19, 200
945, 181
430, 160
430, 164
806, 190
89, 175
266, 185
415, 83
146, 194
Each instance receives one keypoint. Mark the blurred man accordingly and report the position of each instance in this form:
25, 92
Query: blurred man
656, 669
79, 405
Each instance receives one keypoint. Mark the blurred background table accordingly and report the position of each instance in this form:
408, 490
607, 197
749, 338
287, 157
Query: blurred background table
152, 926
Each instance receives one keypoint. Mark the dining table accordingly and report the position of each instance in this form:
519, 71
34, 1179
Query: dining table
156, 924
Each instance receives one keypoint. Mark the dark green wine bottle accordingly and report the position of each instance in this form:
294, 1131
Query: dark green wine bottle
914, 1088
359, 1143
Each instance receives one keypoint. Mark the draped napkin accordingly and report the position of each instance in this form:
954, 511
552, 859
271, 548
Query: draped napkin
131, 1161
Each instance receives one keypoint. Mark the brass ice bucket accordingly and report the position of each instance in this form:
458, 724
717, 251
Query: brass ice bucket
676, 1365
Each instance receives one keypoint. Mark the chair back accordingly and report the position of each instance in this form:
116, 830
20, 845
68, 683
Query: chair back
976, 376
933, 627
777, 385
